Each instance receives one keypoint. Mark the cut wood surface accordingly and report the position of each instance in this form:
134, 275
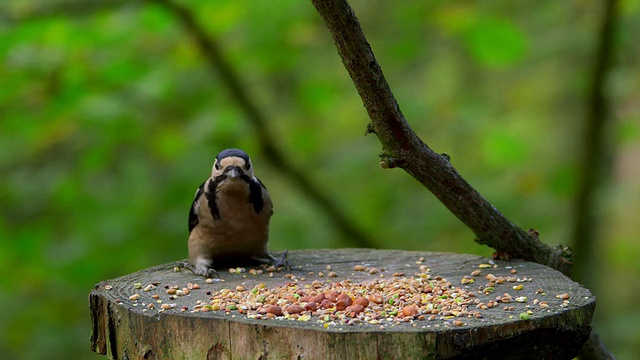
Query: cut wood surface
125, 326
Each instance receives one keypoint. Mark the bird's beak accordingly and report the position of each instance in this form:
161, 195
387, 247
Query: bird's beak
234, 173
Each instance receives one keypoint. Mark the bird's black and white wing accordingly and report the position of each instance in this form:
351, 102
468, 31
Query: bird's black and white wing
195, 206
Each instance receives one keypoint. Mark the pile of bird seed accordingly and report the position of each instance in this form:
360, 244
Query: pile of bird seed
377, 301
401, 298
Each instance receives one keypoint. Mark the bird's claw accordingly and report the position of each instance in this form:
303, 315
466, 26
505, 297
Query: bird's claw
206, 272
282, 261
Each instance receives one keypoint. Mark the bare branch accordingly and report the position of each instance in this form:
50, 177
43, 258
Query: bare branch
403, 148
219, 64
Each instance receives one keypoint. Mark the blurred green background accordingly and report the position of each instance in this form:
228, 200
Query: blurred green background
110, 118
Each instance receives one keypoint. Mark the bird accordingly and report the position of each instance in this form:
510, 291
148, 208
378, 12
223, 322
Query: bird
229, 218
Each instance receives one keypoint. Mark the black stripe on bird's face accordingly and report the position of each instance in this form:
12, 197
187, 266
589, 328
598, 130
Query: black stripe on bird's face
255, 191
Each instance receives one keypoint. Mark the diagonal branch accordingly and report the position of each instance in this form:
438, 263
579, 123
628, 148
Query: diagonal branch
219, 64
403, 148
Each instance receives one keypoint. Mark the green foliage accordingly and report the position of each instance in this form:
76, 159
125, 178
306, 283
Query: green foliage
110, 118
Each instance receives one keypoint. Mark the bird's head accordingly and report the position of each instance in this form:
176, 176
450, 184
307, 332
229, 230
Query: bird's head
232, 163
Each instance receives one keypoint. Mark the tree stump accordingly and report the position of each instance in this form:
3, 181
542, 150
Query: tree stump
464, 307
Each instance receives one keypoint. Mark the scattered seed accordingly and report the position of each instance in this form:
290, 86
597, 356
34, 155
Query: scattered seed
364, 302
409, 310
359, 268
274, 310
354, 309
134, 297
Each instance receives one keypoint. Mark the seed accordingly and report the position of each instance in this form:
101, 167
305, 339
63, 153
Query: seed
317, 298
359, 268
165, 306
331, 295
514, 271
294, 309
373, 271
311, 306
376, 298
409, 311
240, 288
326, 304
398, 274
341, 305
564, 296
134, 297
354, 309
150, 306
458, 323
274, 310
361, 301
171, 291
476, 272
346, 298
332, 274
524, 316
484, 266
518, 287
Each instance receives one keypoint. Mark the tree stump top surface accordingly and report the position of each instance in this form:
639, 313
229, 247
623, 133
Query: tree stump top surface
562, 323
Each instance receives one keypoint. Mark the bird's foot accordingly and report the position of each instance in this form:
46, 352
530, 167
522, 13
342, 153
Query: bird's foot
268, 259
202, 271
282, 261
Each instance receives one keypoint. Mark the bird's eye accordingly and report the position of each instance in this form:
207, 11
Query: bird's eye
216, 165
248, 166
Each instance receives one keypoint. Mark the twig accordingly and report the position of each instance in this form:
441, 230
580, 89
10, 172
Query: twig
403, 148
219, 64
